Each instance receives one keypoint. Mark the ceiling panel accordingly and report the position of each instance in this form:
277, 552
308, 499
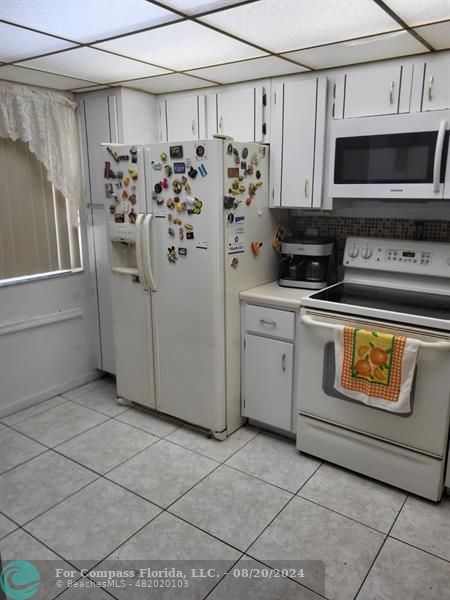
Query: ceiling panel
438, 35
17, 43
32, 77
270, 66
94, 65
416, 12
293, 24
399, 43
192, 7
181, 46
84, 20
167, 83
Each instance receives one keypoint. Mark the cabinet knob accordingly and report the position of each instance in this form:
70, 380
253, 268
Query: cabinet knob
193, 126
221, 124
430, 88
283, 362
306, 188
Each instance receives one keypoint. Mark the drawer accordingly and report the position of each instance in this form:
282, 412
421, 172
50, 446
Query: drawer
270, 321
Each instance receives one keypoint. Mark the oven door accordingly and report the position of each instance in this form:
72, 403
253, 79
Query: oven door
394, 156
424, 430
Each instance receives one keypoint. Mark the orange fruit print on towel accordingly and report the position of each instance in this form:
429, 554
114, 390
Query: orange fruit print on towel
378, 356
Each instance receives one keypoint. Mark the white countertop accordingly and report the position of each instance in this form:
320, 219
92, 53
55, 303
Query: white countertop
275, 295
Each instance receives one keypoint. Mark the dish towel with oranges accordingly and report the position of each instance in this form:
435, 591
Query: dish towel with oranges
375, 368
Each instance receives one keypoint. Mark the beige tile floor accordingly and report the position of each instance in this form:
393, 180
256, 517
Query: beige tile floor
85, 482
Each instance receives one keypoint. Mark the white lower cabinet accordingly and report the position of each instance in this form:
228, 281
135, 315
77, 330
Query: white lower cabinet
267, 379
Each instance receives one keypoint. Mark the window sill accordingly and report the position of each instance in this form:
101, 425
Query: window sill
40, 277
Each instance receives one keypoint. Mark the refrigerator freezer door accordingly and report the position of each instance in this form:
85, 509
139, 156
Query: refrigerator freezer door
132, 340
187, 260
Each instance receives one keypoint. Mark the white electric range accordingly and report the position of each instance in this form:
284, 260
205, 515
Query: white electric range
394, 286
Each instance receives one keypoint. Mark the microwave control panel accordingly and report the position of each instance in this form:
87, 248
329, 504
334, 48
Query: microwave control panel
401, 256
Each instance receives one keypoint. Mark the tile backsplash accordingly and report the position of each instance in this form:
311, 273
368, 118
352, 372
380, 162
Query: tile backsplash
343, 227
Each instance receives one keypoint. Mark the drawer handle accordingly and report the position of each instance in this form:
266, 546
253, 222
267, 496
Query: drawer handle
283, 362
268, 322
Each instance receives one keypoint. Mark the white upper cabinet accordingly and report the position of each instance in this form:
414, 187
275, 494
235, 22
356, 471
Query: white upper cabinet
240, 114
436, 88
298, 142
182, 118
381, 89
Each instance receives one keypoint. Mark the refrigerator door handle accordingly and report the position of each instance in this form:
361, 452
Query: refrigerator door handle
147, 253
139, 261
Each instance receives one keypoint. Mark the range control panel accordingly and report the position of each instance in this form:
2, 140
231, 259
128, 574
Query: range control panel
400, 256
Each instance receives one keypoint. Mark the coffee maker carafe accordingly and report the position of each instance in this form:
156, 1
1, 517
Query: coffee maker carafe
307, 262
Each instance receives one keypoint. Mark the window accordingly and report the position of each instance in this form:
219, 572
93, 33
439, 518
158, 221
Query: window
36, 235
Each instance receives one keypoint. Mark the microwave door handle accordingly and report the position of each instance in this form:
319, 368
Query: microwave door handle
444, 346
139, 263
438, 156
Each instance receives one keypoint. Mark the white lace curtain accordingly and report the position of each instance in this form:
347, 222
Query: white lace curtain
47, 122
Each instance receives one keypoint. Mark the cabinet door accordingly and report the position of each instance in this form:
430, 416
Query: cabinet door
236, 114
100, 117
436, 90
182, 120
268, 381
372, 90
299, 125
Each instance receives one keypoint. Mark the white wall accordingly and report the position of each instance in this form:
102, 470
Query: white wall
45, 340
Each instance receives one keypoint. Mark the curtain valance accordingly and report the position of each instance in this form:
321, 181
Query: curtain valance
47, 122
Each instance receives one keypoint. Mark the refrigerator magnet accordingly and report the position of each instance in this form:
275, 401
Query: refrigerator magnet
176, 152
245, 153
189, 235
200, 152
202, 170
182, 251
176, 186
119, 218
132, 217
179, 167
202, 245
163, 157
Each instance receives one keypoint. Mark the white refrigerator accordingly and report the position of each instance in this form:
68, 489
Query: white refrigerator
202, 233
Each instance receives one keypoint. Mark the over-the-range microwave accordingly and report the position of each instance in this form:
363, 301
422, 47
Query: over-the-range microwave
394, 156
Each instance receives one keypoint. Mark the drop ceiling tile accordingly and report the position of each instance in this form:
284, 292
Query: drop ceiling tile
294, 24
17, 43
270, 66
417, 12
389, 45
93, 65
181, 46
438, 34
167, 83
192, 7
84, 20
32, 77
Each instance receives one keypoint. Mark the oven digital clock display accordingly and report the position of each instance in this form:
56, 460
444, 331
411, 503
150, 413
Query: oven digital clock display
409, 254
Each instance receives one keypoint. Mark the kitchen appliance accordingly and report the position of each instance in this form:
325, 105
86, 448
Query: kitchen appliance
394, 156
190, 228
307, 262
402, 288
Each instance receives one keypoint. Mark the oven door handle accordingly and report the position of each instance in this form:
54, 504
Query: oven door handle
438, 156
444, 346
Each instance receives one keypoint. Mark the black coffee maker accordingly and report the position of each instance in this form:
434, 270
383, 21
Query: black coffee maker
307, 262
